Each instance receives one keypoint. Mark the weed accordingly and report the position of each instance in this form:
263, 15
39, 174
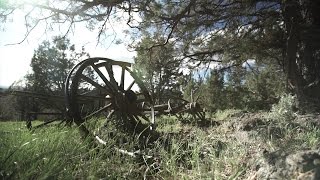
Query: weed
283, 112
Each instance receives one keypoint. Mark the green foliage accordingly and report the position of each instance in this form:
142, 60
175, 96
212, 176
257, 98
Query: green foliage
264, 84
50, 65
227, 113
193, 89
189, 86
254, 87
311, 137
283, 112
158, 68
215, 95
234, 88
5, 9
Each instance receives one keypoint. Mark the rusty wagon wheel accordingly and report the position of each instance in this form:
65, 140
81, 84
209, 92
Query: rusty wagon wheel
180, 107
104, 87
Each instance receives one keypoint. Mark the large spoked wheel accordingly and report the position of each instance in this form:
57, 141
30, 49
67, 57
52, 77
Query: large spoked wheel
104, 87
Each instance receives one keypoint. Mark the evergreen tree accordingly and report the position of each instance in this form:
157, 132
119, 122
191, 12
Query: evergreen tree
265, 84
51, 64
235, 90
215, 95
158, 68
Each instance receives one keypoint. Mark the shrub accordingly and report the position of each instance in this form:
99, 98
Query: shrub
283, 111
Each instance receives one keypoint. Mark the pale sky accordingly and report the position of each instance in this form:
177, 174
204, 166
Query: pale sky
15, 59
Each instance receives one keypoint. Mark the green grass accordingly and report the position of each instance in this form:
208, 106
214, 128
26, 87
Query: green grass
57, 152
184, 151
222, 115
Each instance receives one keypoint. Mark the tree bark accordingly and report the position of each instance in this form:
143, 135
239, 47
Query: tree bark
301, 57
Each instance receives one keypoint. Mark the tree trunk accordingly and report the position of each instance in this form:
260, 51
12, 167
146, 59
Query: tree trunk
302, 54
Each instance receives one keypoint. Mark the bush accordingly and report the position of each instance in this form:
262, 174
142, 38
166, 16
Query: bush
283, 112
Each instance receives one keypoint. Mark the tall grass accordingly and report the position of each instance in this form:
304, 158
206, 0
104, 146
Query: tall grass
59, 152
183, 151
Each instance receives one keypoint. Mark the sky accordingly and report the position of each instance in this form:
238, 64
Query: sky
15, 58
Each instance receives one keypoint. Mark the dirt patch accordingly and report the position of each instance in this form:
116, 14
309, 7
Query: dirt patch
274, 150
297, 165
247, 122
308, 120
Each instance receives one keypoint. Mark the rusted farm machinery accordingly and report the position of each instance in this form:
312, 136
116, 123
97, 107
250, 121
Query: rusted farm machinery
104, 87
101, 86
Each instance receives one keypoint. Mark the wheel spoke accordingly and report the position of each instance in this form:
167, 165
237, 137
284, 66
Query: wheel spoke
111, 75
110, 113
136, 117
122, 77
199, 116
130, 86
98, 111
104, 79
98, 86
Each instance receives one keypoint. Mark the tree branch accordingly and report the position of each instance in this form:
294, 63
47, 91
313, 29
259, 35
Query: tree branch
176, 20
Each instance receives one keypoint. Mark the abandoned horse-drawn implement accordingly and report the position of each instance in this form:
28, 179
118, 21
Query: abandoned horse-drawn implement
104, 87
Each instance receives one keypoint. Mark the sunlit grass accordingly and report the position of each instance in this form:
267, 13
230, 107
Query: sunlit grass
222, 115
183, 151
